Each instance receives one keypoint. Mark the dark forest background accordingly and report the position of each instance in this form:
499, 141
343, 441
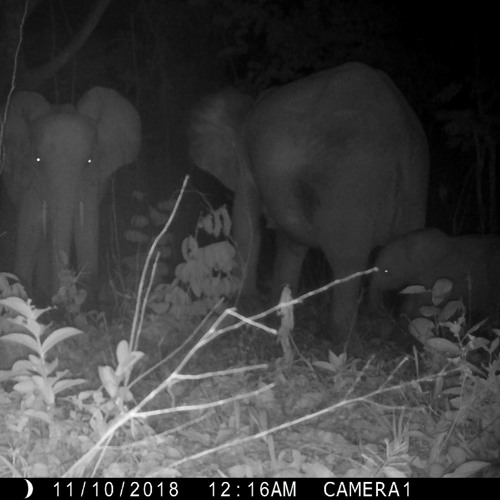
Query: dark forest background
166, 55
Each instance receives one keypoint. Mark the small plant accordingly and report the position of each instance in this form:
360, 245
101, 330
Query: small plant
206, 275
36, 378
114, 380
442, 327
143, 228
11, 287
104, 409
442, 324
70, 295
471, 391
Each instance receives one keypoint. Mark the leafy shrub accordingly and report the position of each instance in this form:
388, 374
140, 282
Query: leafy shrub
442, 325
207, 274
144, 226
35, 377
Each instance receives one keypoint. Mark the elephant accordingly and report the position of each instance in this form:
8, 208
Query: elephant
471, 262
337, 160
57, 161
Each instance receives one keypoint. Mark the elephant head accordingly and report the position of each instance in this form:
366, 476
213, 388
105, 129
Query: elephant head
338, 160
422, 257
57, 161
407, 259
216, 146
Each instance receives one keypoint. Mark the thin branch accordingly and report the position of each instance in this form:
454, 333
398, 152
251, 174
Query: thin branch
36, 77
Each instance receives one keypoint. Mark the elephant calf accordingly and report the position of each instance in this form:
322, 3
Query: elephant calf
56, 165
421, 257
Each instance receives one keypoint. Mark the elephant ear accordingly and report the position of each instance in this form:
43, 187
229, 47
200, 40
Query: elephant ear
23, 108
215, 144
118, 127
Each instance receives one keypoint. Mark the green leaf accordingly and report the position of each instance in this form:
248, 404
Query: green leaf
25, 387
468, 469
22, 307
189, 248
62, 385
22, 367
441, 289
449, 310
413, 289
139, 221
58, 336
108, 379
421, 329
23, 339
444, 346
429, 311
122, 351
136, 236
325, 365
226, 221
207, 223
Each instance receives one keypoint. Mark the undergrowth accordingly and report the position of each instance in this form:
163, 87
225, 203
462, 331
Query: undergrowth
443, 421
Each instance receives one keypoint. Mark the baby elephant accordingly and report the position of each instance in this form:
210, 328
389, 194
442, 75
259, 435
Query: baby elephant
421, 257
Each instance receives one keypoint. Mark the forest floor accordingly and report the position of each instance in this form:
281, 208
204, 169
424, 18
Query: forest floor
246, 404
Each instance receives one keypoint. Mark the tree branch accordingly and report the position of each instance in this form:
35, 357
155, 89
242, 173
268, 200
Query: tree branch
33, 78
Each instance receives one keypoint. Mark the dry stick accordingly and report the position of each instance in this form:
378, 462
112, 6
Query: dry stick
212, 404
99, 460
166, 384
212, 333
12, 83
308, 417
161, 436
144, 304
134, 412
177, 349
175, 376
298, 300
142, 301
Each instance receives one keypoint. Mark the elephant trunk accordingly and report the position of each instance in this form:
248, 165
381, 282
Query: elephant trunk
62, 203
86, 231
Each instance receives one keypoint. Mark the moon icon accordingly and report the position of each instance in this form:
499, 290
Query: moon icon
30, 488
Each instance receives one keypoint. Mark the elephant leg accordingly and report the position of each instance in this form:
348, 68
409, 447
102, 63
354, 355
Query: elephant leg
29, 235
287, 264
375, 296
246, 233
344, 309
347, 252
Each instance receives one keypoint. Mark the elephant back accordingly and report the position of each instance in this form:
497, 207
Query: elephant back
340, 138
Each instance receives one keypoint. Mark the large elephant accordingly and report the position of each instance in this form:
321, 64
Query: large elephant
57, 161
338, 161
421, 257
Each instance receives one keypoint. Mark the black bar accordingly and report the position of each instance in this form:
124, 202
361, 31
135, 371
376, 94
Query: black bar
238, 489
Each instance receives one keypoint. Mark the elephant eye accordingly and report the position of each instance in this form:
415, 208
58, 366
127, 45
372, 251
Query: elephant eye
89, 161
38, 159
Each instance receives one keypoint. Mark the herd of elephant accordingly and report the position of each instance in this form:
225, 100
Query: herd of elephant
338, 161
